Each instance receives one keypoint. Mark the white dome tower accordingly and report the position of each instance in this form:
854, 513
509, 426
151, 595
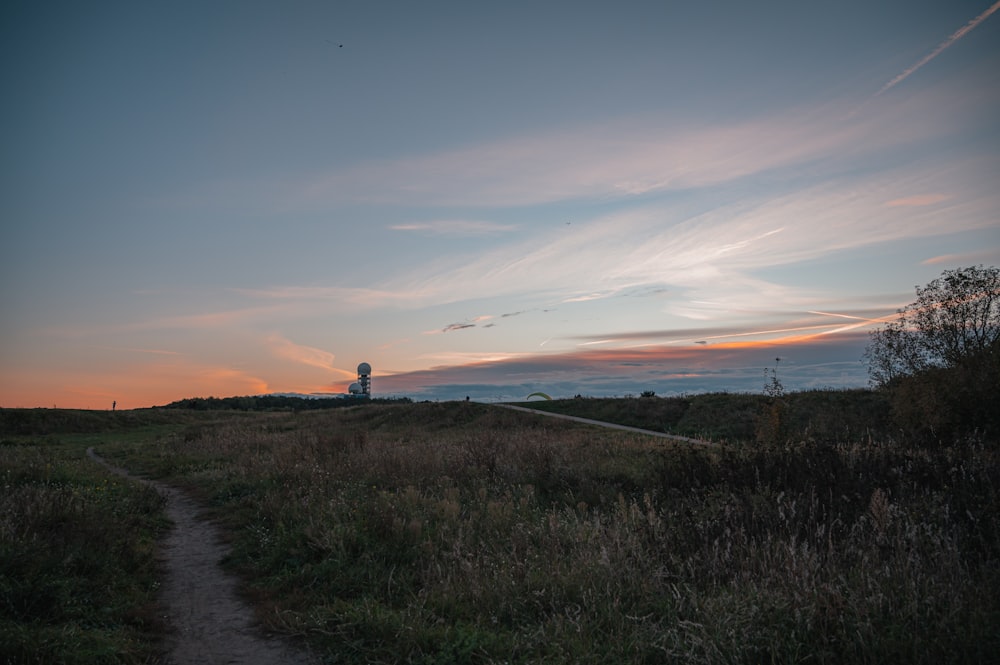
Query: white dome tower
365, 379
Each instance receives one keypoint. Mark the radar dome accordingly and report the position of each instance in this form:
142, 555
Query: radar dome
364, 368
354, 388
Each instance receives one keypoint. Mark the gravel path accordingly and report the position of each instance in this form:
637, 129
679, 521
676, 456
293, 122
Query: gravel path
212, 625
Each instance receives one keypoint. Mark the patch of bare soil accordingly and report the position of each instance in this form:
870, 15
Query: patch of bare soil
211, 623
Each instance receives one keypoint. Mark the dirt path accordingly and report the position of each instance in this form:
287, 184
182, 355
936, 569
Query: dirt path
212, 624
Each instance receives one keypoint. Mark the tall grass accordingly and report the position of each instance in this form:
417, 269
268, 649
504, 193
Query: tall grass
821, 416
78, 574
451, 533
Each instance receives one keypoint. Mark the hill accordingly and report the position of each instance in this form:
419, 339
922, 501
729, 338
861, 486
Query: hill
459, 532
819, 416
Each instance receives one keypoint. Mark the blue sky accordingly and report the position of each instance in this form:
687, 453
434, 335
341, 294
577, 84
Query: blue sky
484, 199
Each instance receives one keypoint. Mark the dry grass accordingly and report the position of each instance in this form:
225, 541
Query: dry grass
78, 574
448, 533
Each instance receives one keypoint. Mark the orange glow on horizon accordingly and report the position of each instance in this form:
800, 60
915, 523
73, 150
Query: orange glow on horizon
134, 387
157, 384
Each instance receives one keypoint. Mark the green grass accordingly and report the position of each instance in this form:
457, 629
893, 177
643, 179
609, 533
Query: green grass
78, 573
464, 533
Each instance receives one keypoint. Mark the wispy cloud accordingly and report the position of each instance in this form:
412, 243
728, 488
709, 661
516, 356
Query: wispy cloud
917, 200
954, 37
588, 296
991, 256
456, 227
298, 353
705, 264
152, 352
733, 366
709, 256
451, 327
452, 359
224, 318
219, 319
814, 322
360, 297
623, 159
226, 377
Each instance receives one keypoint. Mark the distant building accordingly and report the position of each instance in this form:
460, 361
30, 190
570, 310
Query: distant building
363, 386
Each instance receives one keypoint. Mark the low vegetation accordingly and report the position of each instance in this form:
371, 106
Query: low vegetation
78, 567
465, 533
816, 416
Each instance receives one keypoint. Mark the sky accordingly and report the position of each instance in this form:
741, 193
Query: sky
482, 200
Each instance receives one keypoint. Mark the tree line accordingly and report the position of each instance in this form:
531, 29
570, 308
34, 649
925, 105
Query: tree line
277, 403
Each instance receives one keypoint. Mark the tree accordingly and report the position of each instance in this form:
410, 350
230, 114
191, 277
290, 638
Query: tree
940, 356
956, 317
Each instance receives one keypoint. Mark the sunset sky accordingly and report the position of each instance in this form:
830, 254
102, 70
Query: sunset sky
480, 199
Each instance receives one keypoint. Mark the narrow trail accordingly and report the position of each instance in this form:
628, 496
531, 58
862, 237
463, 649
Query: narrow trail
212, 624
601, 423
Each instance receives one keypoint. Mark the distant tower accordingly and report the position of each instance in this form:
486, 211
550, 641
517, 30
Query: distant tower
365, 379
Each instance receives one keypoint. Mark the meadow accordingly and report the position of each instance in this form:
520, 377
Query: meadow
78, 567
466, 533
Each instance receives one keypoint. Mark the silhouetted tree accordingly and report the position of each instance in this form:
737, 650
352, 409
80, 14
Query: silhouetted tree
940, 356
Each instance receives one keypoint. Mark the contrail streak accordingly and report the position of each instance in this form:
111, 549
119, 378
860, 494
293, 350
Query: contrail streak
958, 34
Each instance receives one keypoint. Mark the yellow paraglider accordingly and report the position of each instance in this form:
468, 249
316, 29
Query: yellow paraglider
539, 395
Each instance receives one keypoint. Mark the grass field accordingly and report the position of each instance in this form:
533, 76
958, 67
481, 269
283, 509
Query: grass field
78, 569
464, 533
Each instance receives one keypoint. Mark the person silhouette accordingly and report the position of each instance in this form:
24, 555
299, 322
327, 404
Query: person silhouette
114, 404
